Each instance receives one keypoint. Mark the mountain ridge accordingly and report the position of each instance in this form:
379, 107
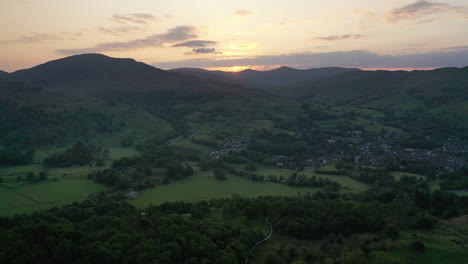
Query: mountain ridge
100, 75
272, 81
3, 73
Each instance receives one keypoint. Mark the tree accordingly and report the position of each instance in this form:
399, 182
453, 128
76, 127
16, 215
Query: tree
31, 176
272, 258
166, 181
356, 256
220, 174
42, 176
390, 232
418, 246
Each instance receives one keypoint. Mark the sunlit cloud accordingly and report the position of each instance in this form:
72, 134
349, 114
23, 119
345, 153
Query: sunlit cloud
340, 37
195, 44
244, 12
176, 34
119, 30
421, 10
36, 37
136, 18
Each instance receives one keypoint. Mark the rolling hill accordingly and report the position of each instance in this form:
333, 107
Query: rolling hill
276, 81
188, 103
431, 88
99, 75
3, 74
398, 89
33, 117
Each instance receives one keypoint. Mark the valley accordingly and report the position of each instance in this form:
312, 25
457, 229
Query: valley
339, 160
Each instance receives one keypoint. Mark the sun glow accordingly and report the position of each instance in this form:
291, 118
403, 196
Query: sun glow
234, 68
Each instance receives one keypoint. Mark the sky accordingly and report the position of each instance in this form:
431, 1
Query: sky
237, 35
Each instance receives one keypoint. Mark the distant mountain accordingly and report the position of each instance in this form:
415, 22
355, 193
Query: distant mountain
3, 74
276, 81
99, 75
440, 86
188, 103
354, 86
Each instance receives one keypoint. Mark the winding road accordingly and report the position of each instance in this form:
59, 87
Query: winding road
260, 242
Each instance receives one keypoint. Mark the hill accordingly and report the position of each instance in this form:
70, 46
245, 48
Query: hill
275, 81
187, 102
34, 118
430, 88
3, 74
99, 75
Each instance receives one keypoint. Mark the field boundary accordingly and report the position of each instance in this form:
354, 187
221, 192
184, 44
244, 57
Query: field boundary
22, 194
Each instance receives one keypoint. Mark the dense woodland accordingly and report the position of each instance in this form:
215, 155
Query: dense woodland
105, 231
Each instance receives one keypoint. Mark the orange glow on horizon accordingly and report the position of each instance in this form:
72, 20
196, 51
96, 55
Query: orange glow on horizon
243, 68
272, 67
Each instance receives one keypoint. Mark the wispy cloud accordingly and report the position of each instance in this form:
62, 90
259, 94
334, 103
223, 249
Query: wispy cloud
37, 37
136, 18
421, 11
173, 35
243, 12
119, 30
195, 44
455, 57
340, 37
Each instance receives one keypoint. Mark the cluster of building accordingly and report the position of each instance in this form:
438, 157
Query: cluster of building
235, 143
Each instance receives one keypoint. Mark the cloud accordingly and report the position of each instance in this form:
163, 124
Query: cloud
420, 10
119, 30
36, 37
204, 50
196, 44
177, 34
244, 12
340, 37
137, 18
361, 59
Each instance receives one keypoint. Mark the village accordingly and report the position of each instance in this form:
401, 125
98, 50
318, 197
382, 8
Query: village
371, 149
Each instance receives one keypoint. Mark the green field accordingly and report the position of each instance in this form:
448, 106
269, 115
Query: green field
398, 174
71, 184
345, 181
44, 195
203, 186
439, 249
185, 145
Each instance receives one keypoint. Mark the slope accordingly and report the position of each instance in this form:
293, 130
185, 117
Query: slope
3, 74
431, 88
184, 101
33, 117
99, 75
275, 81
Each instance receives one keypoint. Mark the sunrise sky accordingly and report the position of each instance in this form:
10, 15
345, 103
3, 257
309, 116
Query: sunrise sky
236, 35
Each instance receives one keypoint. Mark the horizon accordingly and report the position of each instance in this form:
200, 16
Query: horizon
237, 69
396, 34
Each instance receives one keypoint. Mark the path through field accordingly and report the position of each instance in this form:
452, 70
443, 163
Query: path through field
260, 242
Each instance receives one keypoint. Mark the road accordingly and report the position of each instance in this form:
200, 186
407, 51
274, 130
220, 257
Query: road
260, 242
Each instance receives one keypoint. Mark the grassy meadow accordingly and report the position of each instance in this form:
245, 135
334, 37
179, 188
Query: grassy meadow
203, 186
64, 185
